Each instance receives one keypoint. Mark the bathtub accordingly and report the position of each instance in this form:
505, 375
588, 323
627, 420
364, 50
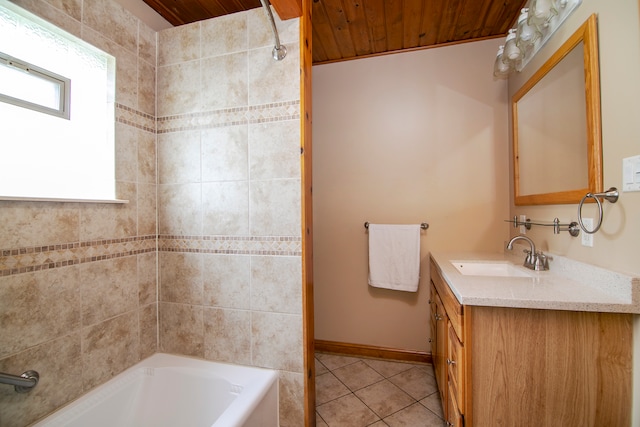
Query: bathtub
176, 391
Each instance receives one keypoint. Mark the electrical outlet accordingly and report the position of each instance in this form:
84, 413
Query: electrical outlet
587, 239
523, 229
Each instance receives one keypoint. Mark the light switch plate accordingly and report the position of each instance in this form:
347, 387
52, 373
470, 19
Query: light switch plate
631, 173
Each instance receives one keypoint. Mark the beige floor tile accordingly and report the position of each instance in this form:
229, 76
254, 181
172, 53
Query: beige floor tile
328, 388
320, 368
354, 392
320, 422
413, 416
387, 368
357, 375
384, 398
379, 424
434, 403
334, 361
416, 382
347, 411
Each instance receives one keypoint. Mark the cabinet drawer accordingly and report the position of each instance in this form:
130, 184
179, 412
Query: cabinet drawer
455, 366
451, 305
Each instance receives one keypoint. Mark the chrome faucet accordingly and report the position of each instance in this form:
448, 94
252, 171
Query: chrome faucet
534, 260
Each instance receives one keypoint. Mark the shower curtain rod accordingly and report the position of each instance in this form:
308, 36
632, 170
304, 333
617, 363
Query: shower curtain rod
279, 51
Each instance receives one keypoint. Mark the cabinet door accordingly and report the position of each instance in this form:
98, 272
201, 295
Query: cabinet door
439, 358
455, 366
453, 415
432, 321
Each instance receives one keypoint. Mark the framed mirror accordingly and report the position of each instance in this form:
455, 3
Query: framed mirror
557, 141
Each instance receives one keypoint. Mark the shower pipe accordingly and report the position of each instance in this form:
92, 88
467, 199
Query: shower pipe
279, 51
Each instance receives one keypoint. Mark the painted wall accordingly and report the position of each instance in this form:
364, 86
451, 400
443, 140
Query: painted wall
229, 198
78, 296
616, 244
403, 138
207, 254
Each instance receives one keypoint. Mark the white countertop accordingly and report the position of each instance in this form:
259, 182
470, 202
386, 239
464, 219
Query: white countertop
568, 285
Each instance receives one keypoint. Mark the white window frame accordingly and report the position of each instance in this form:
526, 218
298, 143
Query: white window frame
36, 72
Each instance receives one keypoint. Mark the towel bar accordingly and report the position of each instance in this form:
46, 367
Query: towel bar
423, 225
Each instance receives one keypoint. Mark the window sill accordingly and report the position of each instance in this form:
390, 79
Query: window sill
62, 200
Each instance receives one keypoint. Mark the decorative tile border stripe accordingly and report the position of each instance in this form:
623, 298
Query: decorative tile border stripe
242, 245
135, 118
36, 258
278, 111
25, 260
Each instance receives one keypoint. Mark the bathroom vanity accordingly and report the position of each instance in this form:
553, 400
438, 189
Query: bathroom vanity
516, 347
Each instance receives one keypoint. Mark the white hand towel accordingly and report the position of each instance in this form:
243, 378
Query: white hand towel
394, 256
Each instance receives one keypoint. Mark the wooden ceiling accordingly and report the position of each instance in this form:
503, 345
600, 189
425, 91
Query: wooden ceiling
349, 29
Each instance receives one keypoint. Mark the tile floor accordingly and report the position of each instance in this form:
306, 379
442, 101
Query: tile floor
359, 392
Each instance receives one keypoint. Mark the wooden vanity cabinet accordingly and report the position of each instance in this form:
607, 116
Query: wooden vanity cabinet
438, 341
530, 367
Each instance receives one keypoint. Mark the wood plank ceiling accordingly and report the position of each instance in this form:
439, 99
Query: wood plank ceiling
349, 29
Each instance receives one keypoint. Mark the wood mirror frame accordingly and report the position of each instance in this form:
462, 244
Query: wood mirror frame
587, 36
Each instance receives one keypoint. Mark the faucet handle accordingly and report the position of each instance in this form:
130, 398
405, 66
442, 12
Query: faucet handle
541, 263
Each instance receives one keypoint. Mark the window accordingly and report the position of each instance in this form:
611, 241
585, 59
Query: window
29, 86
42, 154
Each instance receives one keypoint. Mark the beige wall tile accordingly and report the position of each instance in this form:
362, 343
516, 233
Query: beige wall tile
126, 151
227, 281
227, 335
225, 208
226, 34
60, 380
126, 65
24, 224
108, 221
147, 43
38, 307
291, 387
147, 219
179, 44
108, 17
275, 150
269, 80
179, 157
276, 341
274, 208
66, 20
181, 277
109, 348
147, 283
146, 88
108, 288
180, 209
224, 81
178, 89
127, 78
225, 154
73, 8
146, 157
181, 329
148, 321
275, 284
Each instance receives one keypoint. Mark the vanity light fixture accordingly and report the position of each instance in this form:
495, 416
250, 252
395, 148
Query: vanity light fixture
536, 23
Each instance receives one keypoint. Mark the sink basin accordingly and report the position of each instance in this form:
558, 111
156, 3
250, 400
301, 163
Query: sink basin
490, 268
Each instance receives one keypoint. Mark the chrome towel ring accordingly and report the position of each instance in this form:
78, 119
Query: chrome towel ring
610, 195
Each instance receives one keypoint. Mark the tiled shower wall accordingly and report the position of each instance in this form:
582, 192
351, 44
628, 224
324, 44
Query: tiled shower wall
78, 299
229, 197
